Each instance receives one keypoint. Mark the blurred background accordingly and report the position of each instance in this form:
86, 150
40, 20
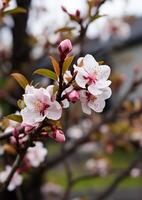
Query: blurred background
113, 36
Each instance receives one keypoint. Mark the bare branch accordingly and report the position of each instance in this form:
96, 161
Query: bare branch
123, 175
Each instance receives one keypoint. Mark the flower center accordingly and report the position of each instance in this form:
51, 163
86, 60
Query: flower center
41, 107
91, 78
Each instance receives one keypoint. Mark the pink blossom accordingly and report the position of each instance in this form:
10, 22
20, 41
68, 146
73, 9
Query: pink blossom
73, 96
90, 102
36, 155
40, 104
92, 75
15, 181
65, 47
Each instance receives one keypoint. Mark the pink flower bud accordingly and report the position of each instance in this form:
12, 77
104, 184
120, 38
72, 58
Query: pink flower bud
65, 47
28, 128
58, 135
15, 133
73, 96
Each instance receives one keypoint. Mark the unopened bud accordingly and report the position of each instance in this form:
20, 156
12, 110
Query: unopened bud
65, 47
58, 135
74, 96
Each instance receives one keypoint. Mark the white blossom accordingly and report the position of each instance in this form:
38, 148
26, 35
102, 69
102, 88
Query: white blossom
40, 103
92, 75
96, 103
36, 155
15, 181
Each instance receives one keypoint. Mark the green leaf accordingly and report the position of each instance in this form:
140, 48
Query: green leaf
21, 104
55, 89
55, 65
67, 64
23, 82
97, 17
17, 118
65, 29
46, 72
15, 11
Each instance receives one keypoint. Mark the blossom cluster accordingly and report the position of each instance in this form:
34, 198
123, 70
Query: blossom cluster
33, 158
90, 87
42, 108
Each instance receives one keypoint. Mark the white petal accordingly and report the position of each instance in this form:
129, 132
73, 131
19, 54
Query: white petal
80, 80
106, 93
102, 84
103, 72
85, 108
49, 90
54, 112
94, 90
29, 89
29, 100
65, 103
31, 117
97, 105
90, 62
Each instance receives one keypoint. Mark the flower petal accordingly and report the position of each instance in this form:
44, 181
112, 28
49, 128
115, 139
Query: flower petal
65, 103
86, 109
106, 93
103, 72
80, 80
31, 117
102, 84
90, 63
54, 112
97, 105
94, 90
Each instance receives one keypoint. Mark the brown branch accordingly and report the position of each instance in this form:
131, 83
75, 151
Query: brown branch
123, 175
13, 170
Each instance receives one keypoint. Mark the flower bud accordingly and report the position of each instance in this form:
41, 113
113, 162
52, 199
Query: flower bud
65, 47
73, 96
58, 135
28, 128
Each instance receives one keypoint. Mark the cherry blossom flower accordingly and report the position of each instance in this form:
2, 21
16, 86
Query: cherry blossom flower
116, 28
40, 103
92, 75
36, 155
96, 103
15, 181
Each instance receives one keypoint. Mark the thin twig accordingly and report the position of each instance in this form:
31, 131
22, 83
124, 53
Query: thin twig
123, 175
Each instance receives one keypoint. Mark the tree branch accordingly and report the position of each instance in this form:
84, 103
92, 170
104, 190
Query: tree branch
123, 175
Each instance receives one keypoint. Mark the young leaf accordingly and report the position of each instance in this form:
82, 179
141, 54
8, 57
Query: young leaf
15, 11
55, 65
17, 118
96, 17
21, 104
65, 29
23, 82
67, 64
46, 72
